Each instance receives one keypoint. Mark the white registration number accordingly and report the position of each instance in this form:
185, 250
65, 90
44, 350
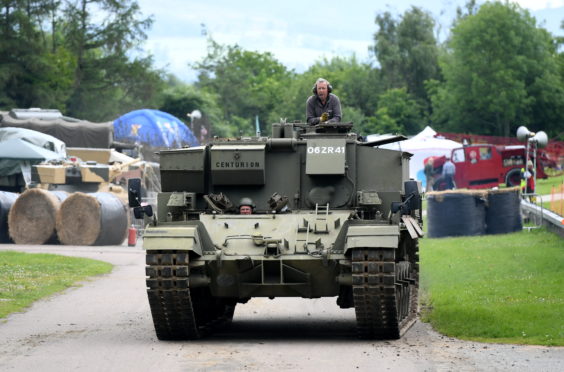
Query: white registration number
326, 150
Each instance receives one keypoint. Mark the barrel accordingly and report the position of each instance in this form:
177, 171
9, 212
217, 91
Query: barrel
92, 219
32, 217
7, 199
456, 213
503, 214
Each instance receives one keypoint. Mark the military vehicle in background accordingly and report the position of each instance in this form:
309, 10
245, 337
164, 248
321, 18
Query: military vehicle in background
86, 170
332, 216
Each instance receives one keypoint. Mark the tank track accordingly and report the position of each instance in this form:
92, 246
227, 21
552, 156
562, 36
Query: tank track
180, 312
384, 293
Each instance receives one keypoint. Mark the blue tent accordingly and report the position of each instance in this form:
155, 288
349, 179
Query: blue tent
153, 128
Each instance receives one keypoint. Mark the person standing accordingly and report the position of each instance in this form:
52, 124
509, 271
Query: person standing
449, 171
429, 171
323, 106
530, 178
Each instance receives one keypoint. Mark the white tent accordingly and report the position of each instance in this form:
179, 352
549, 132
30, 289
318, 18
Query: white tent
422, 145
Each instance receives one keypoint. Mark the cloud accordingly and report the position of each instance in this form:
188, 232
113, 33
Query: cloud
540, 4
297, 35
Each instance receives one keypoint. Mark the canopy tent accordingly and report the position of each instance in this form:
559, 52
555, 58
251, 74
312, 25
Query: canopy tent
73, 132
422, 145
20, 149
36, 138
153, 128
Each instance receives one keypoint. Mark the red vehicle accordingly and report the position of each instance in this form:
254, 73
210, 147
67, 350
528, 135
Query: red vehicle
484, 166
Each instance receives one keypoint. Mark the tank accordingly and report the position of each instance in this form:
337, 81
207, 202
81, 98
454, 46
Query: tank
331, 216
87, 170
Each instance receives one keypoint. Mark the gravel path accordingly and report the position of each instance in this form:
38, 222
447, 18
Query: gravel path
105, 325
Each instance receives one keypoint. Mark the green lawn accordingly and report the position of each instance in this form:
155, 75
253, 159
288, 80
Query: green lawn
496, 288
544, 187
25, 278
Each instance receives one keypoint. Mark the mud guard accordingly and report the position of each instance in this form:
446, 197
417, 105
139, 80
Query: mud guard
371, 236
177, 238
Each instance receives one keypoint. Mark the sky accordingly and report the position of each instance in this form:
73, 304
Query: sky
297, 32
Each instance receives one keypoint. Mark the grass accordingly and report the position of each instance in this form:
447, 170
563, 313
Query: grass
25, 278
496, 288
544, 187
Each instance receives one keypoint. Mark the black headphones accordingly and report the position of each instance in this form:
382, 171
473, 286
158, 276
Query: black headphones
329, 87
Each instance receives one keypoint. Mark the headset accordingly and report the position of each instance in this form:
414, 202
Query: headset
329, 87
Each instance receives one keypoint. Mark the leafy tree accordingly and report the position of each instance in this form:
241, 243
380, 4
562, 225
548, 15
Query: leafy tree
386, 49
418, 50
502, 73
398, 112
407, 51
181, 99
246, 83
106, 82
31, 74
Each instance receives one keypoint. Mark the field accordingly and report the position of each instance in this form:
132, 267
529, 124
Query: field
496, 288
25, 278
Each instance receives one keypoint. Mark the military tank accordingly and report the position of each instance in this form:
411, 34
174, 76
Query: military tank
86, 170
332, 216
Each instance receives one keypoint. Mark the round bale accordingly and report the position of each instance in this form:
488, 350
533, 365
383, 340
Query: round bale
7, 199
32, 217
456, 213
92, 219
504, 211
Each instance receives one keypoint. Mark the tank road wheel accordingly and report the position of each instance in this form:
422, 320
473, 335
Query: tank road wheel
384, 293
179, 312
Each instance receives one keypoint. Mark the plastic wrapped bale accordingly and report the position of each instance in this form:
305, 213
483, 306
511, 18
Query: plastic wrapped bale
7, 199
32, 217
503, 214
456, 213
92, 219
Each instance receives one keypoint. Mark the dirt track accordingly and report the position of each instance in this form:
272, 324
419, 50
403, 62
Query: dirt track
105, 325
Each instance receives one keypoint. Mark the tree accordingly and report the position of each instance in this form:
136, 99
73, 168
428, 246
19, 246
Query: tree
407, 51
387, 51
246, 83
501, 73
106, 82
418, 51
397, 112
31, 73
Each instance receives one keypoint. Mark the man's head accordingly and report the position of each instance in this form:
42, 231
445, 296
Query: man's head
530, 164
322, 88
245, 209
246, 206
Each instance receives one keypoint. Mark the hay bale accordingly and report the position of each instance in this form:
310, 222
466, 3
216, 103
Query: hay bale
504, 211
455, 213
7, 199
92, 219
32, 216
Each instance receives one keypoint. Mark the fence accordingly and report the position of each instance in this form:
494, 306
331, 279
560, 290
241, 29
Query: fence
557, 199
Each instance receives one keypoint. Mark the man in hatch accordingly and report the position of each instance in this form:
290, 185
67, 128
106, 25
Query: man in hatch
246, 206
323, 106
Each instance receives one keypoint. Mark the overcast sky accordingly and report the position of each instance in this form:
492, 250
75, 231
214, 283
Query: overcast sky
296, 32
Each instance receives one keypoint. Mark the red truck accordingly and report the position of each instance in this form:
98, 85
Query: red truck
484, 166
